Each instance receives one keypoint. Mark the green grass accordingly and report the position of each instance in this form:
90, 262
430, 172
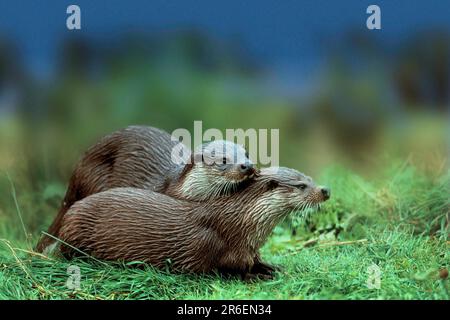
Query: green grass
397, 220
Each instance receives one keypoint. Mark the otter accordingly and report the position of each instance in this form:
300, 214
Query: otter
149, 158
223, 234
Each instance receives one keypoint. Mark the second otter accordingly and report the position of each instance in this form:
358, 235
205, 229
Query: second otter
223, 234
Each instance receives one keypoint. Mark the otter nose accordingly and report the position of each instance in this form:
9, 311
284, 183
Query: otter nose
246, 168
326, 192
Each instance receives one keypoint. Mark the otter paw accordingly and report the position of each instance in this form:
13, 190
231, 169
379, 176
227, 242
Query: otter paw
265, 268
252, 277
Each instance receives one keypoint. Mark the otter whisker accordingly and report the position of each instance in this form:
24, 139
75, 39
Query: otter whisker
297, 209
301, 210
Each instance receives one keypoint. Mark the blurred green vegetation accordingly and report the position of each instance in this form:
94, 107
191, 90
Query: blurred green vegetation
349, 119
374, 128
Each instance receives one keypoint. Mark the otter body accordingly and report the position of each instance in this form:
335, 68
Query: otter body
147, 158
222, 234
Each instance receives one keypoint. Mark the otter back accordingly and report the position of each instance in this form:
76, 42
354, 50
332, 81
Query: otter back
137, 156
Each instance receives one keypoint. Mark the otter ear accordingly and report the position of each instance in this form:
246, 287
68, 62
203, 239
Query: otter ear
272, 184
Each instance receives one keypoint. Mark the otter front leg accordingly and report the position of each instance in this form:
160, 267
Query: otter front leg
263, 268
260, 271
251, 276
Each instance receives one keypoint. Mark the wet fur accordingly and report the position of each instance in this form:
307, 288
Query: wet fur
141, 157
136, 156
223, 234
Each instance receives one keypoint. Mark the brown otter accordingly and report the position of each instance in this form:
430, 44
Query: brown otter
222, 234
149, 158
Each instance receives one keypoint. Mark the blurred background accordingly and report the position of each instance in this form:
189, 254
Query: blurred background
340, 94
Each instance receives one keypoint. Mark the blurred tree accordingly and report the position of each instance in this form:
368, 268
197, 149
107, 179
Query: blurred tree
422, 71
353, 101
13, 78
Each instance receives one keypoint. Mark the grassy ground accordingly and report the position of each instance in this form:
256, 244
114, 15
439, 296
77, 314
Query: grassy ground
397, 221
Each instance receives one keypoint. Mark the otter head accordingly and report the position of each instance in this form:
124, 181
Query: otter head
275, 193
217, 168
296, 191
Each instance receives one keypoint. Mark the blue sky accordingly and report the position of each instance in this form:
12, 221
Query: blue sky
283, 35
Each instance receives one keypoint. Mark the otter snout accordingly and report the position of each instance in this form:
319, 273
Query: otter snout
247, 168
326, 193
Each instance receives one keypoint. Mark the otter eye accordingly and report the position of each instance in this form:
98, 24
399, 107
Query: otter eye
302, 186
224, 160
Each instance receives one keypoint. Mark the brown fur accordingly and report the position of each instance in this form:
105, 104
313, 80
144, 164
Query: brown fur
222, 234
138, 157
